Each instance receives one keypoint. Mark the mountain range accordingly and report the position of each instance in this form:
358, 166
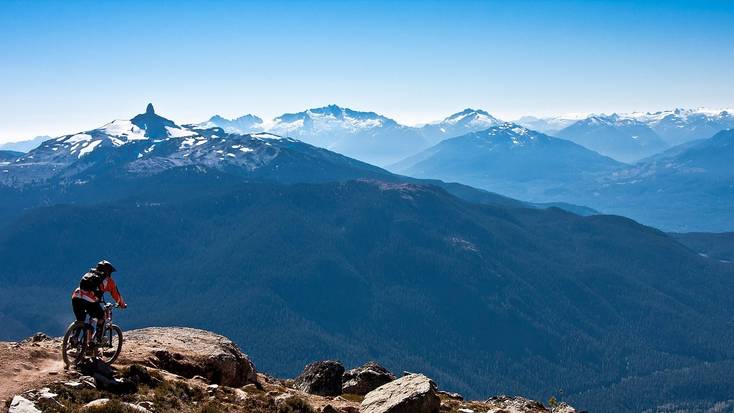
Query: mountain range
367, 136
511, 159
629, 137
379, 140
689, 187
624, 139
77, 168
549, 171
285, 246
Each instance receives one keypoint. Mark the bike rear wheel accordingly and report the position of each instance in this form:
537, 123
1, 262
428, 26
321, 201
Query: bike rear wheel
111, 346
74, 346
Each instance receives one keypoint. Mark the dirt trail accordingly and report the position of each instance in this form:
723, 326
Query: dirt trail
28, 365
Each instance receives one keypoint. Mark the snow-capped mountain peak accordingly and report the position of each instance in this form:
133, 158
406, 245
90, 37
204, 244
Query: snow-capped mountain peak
328, 120
508, 133
460, 123
243, 124
474, 117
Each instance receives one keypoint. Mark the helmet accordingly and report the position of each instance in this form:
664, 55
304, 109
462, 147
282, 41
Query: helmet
104, 266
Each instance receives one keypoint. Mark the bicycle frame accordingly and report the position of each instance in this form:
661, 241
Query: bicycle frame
105, 325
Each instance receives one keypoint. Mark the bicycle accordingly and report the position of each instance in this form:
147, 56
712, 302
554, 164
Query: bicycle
79, 340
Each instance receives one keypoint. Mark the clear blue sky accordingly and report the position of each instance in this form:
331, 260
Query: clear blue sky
70, 66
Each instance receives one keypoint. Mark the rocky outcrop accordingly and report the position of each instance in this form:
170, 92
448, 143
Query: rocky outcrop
323, 378
563, 408
189, 352
364, 379
20, 404
414, 393
501, 404
168, 370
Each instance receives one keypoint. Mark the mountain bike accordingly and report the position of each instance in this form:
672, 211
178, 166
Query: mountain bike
79, 341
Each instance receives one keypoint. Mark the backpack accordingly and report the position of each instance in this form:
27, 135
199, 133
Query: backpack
91, 281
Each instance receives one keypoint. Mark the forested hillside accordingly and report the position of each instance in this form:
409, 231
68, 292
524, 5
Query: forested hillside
486, 299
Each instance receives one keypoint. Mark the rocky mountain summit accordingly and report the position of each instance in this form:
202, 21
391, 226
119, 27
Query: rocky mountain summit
149, 144
190, 370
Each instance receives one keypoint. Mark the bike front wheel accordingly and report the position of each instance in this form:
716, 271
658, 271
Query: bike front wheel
74, 345
111, 345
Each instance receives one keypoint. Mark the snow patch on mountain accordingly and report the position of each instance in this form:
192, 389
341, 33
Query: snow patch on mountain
88, 148
125, 130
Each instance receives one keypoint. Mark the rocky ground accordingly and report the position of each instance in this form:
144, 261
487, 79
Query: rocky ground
186, 370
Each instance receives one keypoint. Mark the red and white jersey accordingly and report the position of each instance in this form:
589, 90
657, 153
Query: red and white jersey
107, 286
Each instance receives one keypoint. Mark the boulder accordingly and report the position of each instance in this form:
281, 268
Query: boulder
414, 393
104, 377
139, 375
563, 408
38, 337
366, 378
102, 405
20, 404
189, 352
323, 378
518, 404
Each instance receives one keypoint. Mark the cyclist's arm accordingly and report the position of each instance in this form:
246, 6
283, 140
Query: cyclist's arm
111, 287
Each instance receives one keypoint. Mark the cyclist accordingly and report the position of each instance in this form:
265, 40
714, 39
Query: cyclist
87, 297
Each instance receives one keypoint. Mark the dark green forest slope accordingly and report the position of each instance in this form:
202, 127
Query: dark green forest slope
486, 299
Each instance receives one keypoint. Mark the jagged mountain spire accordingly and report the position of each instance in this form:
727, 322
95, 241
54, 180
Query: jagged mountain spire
154, 125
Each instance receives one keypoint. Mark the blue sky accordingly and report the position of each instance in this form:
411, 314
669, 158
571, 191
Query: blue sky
70, 66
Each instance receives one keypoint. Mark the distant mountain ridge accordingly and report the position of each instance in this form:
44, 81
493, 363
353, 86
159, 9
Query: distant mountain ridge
683, 125
622, 138
380, 140
632, 136
511, 159
689, 187
366, 136
76, 168
24, 145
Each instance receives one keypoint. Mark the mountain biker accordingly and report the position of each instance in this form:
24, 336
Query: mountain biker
87, 297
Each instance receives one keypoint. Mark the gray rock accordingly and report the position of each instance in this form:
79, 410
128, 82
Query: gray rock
366, 378
323, 378
20, 404
516, 404
38, 337
563, 408
104, 377
450, 395
190, 352
414, 393
102, 403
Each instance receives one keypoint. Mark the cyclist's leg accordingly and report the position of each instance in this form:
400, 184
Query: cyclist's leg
79, 307
95, 311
